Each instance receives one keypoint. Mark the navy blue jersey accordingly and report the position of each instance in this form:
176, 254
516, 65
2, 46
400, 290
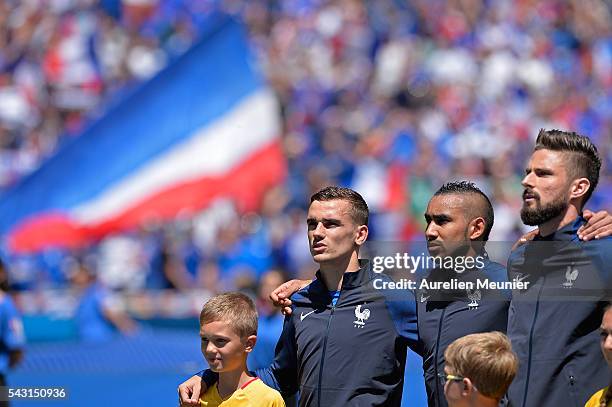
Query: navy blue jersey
554, 323
352, 353
444, 316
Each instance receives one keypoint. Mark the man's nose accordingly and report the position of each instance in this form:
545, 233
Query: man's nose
431, 233
319, 230
527, 181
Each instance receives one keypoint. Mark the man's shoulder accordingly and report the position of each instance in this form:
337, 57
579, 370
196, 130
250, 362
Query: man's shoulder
602, 244
518, 253
494, 267
600, 252
309, 294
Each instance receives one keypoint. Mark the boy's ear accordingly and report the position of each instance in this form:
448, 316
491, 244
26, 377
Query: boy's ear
468, 387
250, 343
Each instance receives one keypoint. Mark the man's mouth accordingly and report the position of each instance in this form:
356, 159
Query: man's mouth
318, 247
433, 246
529, 196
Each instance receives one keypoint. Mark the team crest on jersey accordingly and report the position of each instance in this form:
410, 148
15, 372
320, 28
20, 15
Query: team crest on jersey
519, 278
474, 297
361, 316
570, 276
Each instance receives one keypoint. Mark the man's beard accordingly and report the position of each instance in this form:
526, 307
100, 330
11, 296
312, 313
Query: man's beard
542, 214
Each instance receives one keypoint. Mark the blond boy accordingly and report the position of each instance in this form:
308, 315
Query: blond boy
478, 370
228, 328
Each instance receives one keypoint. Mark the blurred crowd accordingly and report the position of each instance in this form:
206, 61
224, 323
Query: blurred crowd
390, 97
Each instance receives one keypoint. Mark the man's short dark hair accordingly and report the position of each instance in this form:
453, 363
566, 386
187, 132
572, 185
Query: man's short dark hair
583, 158
485, 210
359, 208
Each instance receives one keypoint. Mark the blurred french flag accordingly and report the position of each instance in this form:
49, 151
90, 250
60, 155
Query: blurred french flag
205, 127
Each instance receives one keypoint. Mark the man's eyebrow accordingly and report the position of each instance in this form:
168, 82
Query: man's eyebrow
544, 170
328, 220
437, 216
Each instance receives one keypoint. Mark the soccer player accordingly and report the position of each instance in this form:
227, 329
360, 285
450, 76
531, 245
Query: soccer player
228, 328
345, 341
554, 323
478, 370
459, 219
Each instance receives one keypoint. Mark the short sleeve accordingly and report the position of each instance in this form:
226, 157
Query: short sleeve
277, 400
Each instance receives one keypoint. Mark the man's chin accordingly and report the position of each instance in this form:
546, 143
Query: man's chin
320, 258
530, 217
435, 252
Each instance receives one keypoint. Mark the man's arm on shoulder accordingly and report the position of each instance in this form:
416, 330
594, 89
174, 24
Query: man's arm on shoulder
598, 226
190, 390
282, 373
402, 307
602, 258
280, 296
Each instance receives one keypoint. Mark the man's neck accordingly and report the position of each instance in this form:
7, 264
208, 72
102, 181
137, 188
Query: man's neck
551, 226
472, 252
231, 381
333, 274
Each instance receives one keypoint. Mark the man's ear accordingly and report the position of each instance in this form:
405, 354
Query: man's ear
476, 228
362, 235
250, 343
579, 188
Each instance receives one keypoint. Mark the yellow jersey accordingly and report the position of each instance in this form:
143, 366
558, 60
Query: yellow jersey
594, 400
253, 393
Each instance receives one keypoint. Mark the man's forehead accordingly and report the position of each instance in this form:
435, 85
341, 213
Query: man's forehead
335, 208
544, 158
447, 203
